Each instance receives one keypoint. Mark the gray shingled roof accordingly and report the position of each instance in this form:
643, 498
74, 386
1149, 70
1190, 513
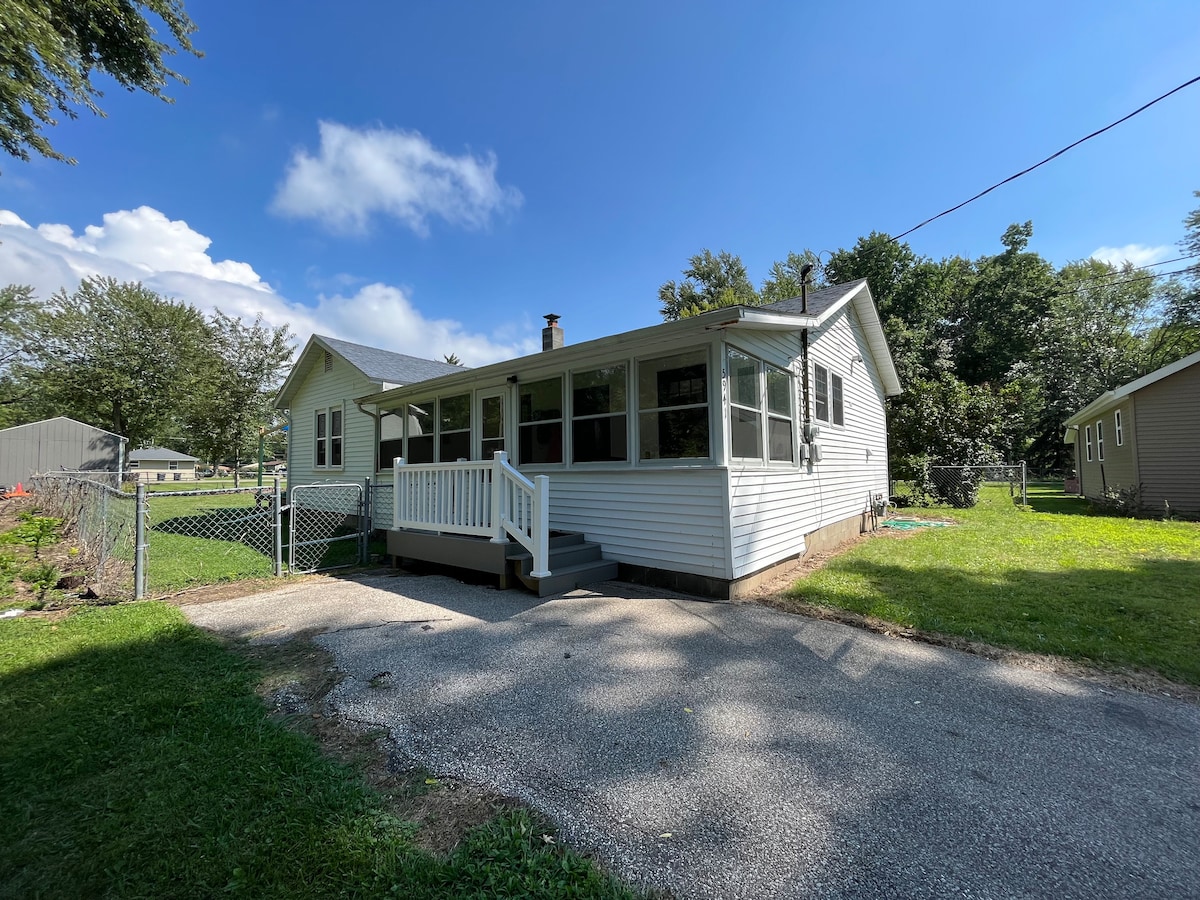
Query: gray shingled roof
386, 366
149, 453
818, 300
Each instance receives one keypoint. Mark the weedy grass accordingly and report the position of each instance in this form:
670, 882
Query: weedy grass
138, 762
1052, 578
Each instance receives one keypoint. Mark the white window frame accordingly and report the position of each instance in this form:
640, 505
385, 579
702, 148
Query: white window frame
638, 411
837, 399
575, 417
1100, 440
1087, 432
330, 439
172, 465
817, 367
1119, 427
764, 412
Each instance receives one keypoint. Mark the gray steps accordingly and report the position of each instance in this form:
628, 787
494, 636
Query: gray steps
574, 563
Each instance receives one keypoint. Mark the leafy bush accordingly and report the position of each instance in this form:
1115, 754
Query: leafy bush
41, 577
1125, 502
34, 531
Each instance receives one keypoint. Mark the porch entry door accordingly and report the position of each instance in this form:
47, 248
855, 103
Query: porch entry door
492, 422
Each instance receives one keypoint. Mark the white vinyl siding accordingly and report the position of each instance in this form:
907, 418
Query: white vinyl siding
673, 519
772, 510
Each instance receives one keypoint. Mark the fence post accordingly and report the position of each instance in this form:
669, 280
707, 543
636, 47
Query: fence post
139, 544
277, 530
364, 522
1024, 498
498, 534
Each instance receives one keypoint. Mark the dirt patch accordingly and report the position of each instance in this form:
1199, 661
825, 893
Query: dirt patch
57, 578
297, 677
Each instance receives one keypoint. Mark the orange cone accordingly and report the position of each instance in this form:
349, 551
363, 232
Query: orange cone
19, 492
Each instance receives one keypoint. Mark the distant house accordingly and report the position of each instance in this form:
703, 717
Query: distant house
55, 445
695, 454
330, 438
1144, 435
160, 464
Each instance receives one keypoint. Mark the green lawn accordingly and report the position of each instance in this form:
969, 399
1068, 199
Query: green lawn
1053, 579
138, 762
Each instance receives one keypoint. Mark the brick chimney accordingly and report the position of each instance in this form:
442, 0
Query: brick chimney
552, 335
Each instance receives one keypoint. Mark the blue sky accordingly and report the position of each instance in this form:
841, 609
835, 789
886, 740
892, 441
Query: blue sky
432, 178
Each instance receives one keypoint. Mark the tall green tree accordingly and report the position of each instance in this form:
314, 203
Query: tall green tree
16, 313
49, 50
234, 385
709, 282
118, 356
783, 280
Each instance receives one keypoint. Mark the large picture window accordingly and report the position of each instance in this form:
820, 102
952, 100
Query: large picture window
540, 430
673, 407
821, 392
599, 415
454, 428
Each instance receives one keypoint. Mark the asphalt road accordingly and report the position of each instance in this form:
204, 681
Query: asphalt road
720, 750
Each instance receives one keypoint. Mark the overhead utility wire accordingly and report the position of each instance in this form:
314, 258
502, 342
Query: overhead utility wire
1117, 273
1048, 158
1150, 277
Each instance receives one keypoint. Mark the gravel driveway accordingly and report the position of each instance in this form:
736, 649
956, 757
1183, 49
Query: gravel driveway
719, 750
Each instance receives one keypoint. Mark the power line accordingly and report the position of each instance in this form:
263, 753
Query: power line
1117, 273
1150, 277
1125, 118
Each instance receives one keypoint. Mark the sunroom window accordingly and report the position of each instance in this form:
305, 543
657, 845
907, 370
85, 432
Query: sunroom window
420, 433
391, 436
745, 406
454, 424
673, 407
540, 429
780, 440
599, 415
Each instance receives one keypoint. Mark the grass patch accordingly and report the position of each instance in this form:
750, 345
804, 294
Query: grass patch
1120, 593
138, 762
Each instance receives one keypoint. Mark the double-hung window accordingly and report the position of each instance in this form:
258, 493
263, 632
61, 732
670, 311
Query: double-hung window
780, 439
391, 436
1100, 441
454, 428
745, 405
673, 407
420, 433
1087, 431
1120, 428
540, 429
599, 415
836, 399
327, 450
821, 392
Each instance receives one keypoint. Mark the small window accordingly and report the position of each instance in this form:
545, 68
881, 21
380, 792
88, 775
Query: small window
1120, 428
673, 407
133, 464
839, 410
1100, 441
1088, 441
321, 451
454, 428
173, 465
821, 392
599, 415
540, 429
779, 415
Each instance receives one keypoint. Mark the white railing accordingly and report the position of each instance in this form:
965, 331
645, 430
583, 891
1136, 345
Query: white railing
486, 498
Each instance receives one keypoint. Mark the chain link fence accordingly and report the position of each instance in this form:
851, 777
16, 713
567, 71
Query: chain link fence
958, 486
103, 520
329, 526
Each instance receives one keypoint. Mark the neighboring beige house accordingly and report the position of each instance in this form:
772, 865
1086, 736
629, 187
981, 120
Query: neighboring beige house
1144, 435
160, 464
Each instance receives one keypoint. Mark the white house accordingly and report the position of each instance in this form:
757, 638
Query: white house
696, 454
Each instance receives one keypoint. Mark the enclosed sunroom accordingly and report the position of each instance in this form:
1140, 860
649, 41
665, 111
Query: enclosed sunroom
693, 454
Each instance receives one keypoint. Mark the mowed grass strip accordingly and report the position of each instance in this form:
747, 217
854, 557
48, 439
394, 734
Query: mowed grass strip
1119, 593
137, 762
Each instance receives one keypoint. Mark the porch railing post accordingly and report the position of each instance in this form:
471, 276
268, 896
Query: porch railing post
541, 527
397, 493
499, 535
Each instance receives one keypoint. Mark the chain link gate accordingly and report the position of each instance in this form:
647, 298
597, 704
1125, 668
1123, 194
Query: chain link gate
329, 527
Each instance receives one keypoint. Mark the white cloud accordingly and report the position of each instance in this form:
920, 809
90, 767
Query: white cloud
1138, 254
170, 258
358, 174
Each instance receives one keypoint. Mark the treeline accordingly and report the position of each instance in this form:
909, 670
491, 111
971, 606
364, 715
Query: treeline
157, 371
994, 353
